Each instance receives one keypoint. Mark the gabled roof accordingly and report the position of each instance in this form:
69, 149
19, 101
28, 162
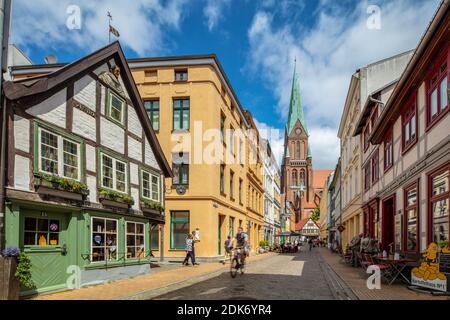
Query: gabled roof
31, 88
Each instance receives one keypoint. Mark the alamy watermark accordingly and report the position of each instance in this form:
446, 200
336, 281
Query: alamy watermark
74, 18
373, 22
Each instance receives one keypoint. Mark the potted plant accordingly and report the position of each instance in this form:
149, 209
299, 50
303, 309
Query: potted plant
15, 270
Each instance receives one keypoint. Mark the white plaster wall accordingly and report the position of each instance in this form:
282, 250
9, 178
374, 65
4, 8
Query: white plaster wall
52, 110
91, 160
84, 92
135, 195
134, 124
439, 132
91, 182
22, 173
21, 133
134, 173
149, 156
84, 125
134, 149
112, 136
102, 100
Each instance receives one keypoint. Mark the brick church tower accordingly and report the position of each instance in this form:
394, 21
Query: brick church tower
296, 168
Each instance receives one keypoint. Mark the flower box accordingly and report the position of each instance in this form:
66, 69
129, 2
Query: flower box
56, 189
9, 284
113, 203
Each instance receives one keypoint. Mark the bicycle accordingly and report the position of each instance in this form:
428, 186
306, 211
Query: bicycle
236, 264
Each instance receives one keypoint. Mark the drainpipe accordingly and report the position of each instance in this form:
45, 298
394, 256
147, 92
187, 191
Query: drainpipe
5, 19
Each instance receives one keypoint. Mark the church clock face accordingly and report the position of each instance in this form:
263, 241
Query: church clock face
298, 131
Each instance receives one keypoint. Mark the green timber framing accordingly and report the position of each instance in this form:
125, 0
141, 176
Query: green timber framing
57, 262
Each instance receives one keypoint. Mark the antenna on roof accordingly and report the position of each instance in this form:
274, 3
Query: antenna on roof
51, 59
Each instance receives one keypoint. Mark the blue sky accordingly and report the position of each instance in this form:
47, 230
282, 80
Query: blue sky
256, 41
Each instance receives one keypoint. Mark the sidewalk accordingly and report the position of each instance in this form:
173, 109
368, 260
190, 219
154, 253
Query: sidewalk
156, 283
356, 279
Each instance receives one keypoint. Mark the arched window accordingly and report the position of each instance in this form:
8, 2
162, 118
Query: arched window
302, 177
298, 151
303, 150
294, 177
287, 179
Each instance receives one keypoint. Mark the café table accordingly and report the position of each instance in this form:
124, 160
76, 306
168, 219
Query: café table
397, 266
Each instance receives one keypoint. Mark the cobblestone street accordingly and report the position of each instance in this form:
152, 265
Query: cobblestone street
302, 276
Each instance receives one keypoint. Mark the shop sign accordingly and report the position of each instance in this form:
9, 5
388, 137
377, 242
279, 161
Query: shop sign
429, 274
341, 228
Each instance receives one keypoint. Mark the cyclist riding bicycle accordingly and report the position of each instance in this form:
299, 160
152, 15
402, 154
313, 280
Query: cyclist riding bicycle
241, 241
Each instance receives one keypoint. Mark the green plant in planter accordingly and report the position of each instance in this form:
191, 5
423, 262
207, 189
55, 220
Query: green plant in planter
443, 243
23, 272
66, 184
116, 196
153, 205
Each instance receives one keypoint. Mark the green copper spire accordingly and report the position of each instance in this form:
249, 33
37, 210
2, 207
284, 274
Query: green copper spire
295, 108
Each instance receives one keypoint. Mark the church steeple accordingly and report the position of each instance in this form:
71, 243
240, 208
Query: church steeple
295, 107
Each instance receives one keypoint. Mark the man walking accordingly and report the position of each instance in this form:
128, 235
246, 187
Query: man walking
310, 242
193, 245
189, 251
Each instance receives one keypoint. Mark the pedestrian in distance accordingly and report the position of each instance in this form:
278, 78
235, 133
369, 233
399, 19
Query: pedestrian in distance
189, 250
310, 242
193, 246
227, 245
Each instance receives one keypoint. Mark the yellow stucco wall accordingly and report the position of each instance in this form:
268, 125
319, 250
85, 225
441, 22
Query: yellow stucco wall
204, 201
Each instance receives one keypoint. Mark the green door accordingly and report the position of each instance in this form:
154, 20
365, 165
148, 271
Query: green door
44, 238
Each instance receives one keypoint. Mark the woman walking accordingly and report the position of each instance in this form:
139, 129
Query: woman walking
189, 250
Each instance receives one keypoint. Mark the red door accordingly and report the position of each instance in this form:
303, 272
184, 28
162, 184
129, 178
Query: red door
388, 228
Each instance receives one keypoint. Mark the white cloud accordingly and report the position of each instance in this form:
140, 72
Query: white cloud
42, 23
327, 54
214, 12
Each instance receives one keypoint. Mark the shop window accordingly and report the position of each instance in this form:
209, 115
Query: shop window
150, 186
411, 219
116, 108
58, 155
114, 174
103, 239
181, 115
135, 240
152, 108
179, 228
439, 204
41, 232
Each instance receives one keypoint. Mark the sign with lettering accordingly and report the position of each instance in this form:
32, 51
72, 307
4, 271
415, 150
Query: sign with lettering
428, 274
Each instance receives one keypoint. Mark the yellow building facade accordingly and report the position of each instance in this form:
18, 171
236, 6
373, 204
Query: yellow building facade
203, 131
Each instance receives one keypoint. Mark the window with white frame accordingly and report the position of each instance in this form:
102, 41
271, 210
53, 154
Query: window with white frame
150, 186
116, 107
103, 239
58, 155
113, 173
135, 240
